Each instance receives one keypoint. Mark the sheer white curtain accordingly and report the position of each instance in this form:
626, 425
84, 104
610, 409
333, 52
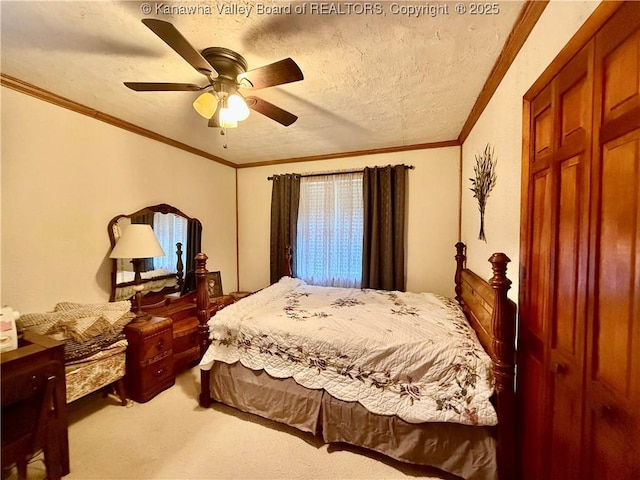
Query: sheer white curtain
330, 225
169, 229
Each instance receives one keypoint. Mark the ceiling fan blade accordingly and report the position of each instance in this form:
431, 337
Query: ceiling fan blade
270, 110
284, 71
163, 87
172, 37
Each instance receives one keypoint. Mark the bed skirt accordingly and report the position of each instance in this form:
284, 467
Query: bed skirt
463, 450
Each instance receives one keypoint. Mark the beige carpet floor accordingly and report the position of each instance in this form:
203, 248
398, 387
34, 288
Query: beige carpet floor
171, 437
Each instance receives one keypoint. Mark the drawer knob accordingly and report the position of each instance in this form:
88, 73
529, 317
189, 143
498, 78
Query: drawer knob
607, 412
160, 372
160, 344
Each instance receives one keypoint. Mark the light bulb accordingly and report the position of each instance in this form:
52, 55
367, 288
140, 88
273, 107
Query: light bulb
227, 119
206, 104
238, 106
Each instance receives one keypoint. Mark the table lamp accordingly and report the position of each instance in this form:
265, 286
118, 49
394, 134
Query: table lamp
137, 243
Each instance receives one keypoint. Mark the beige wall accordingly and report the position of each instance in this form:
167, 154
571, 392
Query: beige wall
65, 175
432, 215
501, 126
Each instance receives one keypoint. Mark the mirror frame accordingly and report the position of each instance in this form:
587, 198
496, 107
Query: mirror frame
160, 208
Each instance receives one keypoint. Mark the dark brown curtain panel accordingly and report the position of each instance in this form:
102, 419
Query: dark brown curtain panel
384, 191
190, 250
193, 246
285, 199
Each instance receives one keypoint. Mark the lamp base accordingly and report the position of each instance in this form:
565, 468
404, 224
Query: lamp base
141, 317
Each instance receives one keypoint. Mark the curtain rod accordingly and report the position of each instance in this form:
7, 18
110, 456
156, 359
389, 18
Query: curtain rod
338, 172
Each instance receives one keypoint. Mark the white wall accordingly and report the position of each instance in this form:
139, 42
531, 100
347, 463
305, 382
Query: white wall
501, 126
432, 215
65, 176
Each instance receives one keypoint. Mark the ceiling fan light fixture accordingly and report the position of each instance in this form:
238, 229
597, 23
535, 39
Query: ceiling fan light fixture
206, 104
226, 72
238, 107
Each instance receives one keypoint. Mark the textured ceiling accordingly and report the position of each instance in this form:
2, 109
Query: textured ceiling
371, 80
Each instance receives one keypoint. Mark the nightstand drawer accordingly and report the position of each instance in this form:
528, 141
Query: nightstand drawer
156, 373
157, 346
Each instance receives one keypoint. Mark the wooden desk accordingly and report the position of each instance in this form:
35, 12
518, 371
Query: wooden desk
33, 349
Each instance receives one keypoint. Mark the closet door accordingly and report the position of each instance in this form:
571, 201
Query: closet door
553, 317
613, 374
573, 88
534, 308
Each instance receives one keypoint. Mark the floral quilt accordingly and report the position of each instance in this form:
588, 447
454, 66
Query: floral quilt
407, 354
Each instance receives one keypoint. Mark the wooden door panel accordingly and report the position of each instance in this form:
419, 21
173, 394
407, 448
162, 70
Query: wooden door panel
574, 89
610, 453
574, 110
613, 396
564, 442
566, 319
618, 245
622, 79
543, 133
541, 253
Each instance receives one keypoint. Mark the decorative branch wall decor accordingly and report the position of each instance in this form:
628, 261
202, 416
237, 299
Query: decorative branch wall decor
484, 182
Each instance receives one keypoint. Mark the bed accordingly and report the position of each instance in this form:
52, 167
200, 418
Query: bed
437, 393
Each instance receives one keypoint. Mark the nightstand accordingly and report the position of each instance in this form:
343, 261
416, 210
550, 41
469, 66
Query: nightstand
240, 295
149, 358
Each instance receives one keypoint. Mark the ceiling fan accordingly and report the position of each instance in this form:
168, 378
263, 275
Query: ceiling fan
227, 72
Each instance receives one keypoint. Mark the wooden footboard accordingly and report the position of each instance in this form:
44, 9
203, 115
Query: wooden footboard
493, 316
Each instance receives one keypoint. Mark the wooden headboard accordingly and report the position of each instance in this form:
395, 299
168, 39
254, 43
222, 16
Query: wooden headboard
493, 316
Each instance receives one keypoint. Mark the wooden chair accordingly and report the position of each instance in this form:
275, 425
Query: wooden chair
31, 418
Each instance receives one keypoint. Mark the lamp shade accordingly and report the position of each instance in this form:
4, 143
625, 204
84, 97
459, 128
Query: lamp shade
206, 104
137, 241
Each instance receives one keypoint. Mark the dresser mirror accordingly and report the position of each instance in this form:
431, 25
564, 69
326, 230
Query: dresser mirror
179, 236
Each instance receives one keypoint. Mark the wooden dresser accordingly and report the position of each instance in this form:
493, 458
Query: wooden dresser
149, 358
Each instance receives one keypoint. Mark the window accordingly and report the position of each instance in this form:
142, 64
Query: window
330, 230
169, 229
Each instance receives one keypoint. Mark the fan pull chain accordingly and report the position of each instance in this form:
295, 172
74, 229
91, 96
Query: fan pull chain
224, 134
